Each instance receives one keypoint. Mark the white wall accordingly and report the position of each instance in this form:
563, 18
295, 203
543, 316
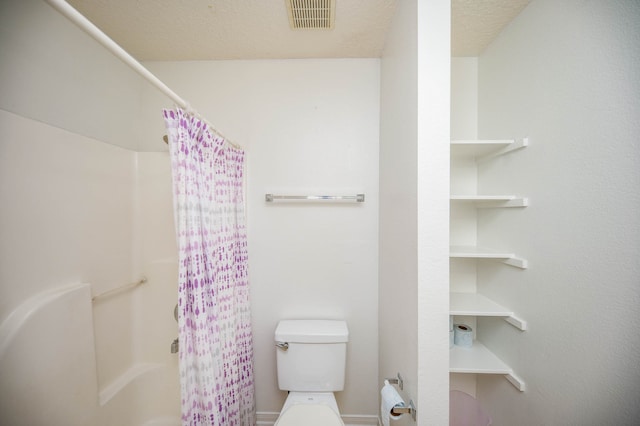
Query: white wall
565, 74
308, 126
53, 72
398, 289
434, 137
414, 186
464, 98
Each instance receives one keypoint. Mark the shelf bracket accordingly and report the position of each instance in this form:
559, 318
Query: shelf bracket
518, 262
515, 381
516, 145
517, 322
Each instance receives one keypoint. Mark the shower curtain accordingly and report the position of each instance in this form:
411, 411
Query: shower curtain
214, 320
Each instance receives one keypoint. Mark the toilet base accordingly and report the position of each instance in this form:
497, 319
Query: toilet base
324, 398
319, 404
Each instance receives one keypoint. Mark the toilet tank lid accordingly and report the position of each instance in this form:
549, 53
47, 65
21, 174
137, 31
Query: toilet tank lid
312, 331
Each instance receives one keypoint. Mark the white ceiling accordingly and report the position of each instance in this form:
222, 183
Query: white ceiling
177, 30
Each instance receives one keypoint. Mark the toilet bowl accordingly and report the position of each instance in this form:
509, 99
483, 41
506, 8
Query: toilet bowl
310, 409
311, 358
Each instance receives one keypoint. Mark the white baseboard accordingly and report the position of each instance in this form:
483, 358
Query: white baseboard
266, 418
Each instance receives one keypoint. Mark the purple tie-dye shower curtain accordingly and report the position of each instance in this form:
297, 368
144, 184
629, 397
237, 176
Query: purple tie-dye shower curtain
214, 319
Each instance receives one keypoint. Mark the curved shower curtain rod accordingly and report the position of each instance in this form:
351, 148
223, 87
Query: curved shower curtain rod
87, 26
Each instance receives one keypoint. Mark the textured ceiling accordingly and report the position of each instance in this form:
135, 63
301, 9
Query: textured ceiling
475, 23
177, 30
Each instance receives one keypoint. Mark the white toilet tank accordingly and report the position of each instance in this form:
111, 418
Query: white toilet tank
311, 355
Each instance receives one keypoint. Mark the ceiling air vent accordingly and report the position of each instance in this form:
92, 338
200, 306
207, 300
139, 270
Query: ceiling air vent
311, 14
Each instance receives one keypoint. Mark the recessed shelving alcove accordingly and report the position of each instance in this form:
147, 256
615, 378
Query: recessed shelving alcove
479, 359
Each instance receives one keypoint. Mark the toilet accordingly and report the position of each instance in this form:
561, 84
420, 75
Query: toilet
310, 360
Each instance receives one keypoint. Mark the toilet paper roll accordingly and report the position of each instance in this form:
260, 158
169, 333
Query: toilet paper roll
463, 335
390, 398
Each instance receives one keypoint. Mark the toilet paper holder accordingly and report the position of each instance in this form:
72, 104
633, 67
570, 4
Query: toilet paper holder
407, 409
397, 381
411, 409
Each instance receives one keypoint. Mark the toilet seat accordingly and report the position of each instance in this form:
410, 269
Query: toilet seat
309, 415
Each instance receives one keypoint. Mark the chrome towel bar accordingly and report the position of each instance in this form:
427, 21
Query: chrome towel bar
358, 198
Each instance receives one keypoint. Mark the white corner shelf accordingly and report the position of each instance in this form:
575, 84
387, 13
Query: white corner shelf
475, 304
480, 360
486, 149
490, 201
478, 305
476, 359
474, 252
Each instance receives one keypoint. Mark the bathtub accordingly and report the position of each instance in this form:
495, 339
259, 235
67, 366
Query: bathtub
146, 395
164, 421
50, 373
